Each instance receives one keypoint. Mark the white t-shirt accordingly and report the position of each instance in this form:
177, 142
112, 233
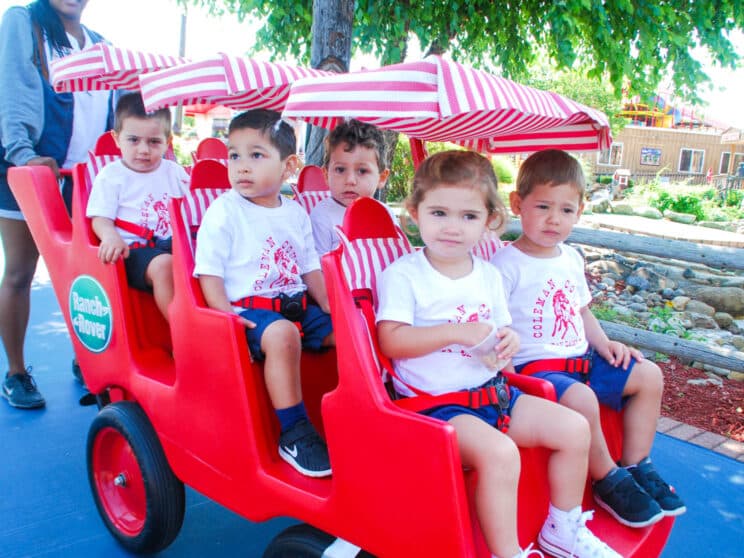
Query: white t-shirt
412, 292
256, 250
546, 296
325, 216
90, 112
138, 197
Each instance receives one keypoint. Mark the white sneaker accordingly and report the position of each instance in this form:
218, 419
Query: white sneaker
572, 539
526, 553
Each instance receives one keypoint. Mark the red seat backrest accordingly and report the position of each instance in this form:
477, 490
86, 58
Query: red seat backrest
488, 246
193, 207
106, 145
311, 179
210, 148
209, 173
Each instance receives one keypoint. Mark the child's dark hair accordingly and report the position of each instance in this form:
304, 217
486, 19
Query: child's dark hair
462, 169
552, 167
43, 15
269, 123
353, 133
131, 105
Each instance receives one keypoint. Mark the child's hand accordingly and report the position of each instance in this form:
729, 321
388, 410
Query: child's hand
618, 354
112, 248
509, 344
247, 323
473, 333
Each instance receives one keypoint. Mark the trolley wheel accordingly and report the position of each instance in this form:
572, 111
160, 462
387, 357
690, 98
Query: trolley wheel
305, 541
139, 498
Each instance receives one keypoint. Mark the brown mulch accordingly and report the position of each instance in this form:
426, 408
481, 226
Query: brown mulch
716, 409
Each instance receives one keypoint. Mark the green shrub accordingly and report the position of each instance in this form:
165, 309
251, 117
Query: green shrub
734, 198
682, 203
505, 170
401, 173
604, 180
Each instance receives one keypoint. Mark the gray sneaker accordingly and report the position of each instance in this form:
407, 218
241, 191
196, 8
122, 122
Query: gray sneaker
20, 390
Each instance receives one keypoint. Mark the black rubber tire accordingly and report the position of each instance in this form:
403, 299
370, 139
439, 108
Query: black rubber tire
303, 541
123, 427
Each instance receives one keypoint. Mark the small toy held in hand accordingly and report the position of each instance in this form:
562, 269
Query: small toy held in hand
487, 353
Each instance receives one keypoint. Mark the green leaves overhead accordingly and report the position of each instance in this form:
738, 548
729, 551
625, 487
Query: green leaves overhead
622, 41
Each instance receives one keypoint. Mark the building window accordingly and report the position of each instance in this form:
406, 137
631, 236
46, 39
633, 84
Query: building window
691, 160
726, 159
611, 157
650, 156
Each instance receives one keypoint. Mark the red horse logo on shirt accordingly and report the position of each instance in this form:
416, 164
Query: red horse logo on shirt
286, 266
163, 225
564, 315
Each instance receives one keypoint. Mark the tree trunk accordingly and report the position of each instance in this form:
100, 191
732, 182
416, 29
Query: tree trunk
330, 50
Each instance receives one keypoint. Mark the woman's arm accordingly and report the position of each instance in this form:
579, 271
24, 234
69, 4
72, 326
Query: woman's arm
21, 94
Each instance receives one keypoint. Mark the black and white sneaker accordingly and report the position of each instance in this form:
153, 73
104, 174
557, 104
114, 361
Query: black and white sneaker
21, 392
646, 476
305, 450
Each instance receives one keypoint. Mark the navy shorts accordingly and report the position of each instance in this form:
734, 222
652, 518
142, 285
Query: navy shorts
487, 413
607, 381
316, 326
138, 260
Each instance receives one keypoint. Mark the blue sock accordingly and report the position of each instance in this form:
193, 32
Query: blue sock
291, 415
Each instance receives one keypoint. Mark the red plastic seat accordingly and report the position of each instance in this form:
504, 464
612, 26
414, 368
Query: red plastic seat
311, 187
209, 173
210, 148
106, 145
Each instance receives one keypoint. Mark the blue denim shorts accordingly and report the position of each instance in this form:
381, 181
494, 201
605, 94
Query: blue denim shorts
139, 258
606, 380
316, 326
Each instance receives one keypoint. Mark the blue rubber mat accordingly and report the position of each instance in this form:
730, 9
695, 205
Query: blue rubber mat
46, 508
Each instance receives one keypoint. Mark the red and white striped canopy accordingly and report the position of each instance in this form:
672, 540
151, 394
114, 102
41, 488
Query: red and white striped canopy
103, 66
439, 100
236, 82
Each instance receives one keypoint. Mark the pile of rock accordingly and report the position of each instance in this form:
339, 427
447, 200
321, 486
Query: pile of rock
687, 301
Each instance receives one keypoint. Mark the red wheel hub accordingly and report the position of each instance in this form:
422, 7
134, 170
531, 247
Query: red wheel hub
118, 482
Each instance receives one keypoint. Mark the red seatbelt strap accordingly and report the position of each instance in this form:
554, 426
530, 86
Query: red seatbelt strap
267, 303
579, 365
475, 398
134, 228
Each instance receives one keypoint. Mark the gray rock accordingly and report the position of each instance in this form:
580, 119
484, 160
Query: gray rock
706, 381
667, 293
697, 307
679, 303
649, 212
637, 282
600, 286
701, 321
723, 299
685, 218
680, 292
622, 208
738, 342
638, 307
637, 298
723, 319
609, 281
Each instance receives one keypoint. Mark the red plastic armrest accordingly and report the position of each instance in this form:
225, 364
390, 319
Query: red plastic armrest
530, 385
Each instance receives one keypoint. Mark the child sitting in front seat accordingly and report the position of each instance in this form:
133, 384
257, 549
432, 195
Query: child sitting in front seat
255, 257
129, 200
563, 343
437, 308
354, 167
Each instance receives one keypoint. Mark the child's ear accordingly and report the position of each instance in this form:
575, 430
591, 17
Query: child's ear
115, 135
383, 177
580, 211
291, 164
515, 202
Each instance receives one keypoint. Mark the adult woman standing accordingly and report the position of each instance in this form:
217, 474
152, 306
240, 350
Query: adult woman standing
37, 127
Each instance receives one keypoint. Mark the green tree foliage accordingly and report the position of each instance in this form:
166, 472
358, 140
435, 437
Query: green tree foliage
634, 40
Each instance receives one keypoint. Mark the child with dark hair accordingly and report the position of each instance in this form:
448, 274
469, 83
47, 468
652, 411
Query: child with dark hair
255, 257
563, 343
37, 127
129, 200
354, 167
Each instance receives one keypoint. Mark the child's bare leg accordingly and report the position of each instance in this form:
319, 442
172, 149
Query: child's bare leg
280, 343
582, 399
329, 340
159, 274
645, 387
496, 459
538, 422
